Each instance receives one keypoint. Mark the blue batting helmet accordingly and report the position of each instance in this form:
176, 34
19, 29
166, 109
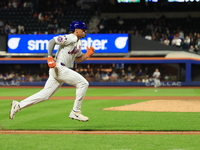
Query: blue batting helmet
77, 25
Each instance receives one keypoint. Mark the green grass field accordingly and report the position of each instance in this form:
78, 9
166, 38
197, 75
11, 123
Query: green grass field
53, 115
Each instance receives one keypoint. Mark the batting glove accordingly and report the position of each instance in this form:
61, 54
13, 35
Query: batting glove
90, 51
51, 62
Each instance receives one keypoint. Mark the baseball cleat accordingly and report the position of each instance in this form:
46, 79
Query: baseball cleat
14, 108
78, 116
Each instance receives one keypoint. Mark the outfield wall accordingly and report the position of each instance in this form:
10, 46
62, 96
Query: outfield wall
186, 62
147, 84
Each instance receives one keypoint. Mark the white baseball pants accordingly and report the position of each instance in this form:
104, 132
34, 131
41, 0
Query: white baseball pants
57, 76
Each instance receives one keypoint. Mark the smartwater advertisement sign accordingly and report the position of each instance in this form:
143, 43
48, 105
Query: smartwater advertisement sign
103, 43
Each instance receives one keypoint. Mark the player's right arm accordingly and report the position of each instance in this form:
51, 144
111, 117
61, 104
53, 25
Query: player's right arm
51, 45
50, 59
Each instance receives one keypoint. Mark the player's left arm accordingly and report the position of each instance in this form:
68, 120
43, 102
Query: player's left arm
89, 53
81, 58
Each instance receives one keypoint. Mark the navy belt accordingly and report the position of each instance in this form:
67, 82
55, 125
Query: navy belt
62, 64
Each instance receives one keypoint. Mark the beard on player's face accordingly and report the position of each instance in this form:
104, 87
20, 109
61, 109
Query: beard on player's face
81, 33
84, 34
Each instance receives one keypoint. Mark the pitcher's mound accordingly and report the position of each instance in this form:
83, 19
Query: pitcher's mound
161, 106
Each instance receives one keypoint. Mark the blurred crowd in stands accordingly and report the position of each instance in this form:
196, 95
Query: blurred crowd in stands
179, 32
183, 33
95, 73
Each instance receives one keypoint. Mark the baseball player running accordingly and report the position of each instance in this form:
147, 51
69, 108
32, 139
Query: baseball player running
60, 71
156, 76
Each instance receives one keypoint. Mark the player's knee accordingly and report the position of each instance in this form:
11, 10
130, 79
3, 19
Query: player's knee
86, 83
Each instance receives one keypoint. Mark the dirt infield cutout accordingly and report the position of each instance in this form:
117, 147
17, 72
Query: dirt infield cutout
161, 106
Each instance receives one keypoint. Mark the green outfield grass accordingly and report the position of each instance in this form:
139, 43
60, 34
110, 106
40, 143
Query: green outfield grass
99, 142
92, 91
53, 115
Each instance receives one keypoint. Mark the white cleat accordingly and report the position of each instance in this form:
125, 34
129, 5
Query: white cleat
78, 116
14, 108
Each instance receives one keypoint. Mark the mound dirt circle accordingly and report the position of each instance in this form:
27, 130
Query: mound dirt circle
161, 106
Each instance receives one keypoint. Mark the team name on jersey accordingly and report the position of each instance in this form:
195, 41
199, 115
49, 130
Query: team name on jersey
75, 50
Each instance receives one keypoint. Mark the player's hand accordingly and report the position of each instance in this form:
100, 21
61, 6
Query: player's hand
90, 51
51, 62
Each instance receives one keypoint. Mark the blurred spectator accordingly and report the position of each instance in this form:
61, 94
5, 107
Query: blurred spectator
44, 77
191, 49
177, 42
166, 77
146, 71
196, 48
129, 70
2, 31
55, 24
21, 29
91, 76
148, 37
40, 17
7, 29
23, 78
186, 42
17, 78
181, 34
131, 77
105, 76
1, 24
97, 76
11, 76
198, 42
82, 5
38, 78
13, 29
166, 41
101, 28
192, 42
58, 12
61, 30
195, 37
122, 75
95, 30
6, 76
140, 72
119, 22
1, 77
114, 76
28, 4
31, 79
